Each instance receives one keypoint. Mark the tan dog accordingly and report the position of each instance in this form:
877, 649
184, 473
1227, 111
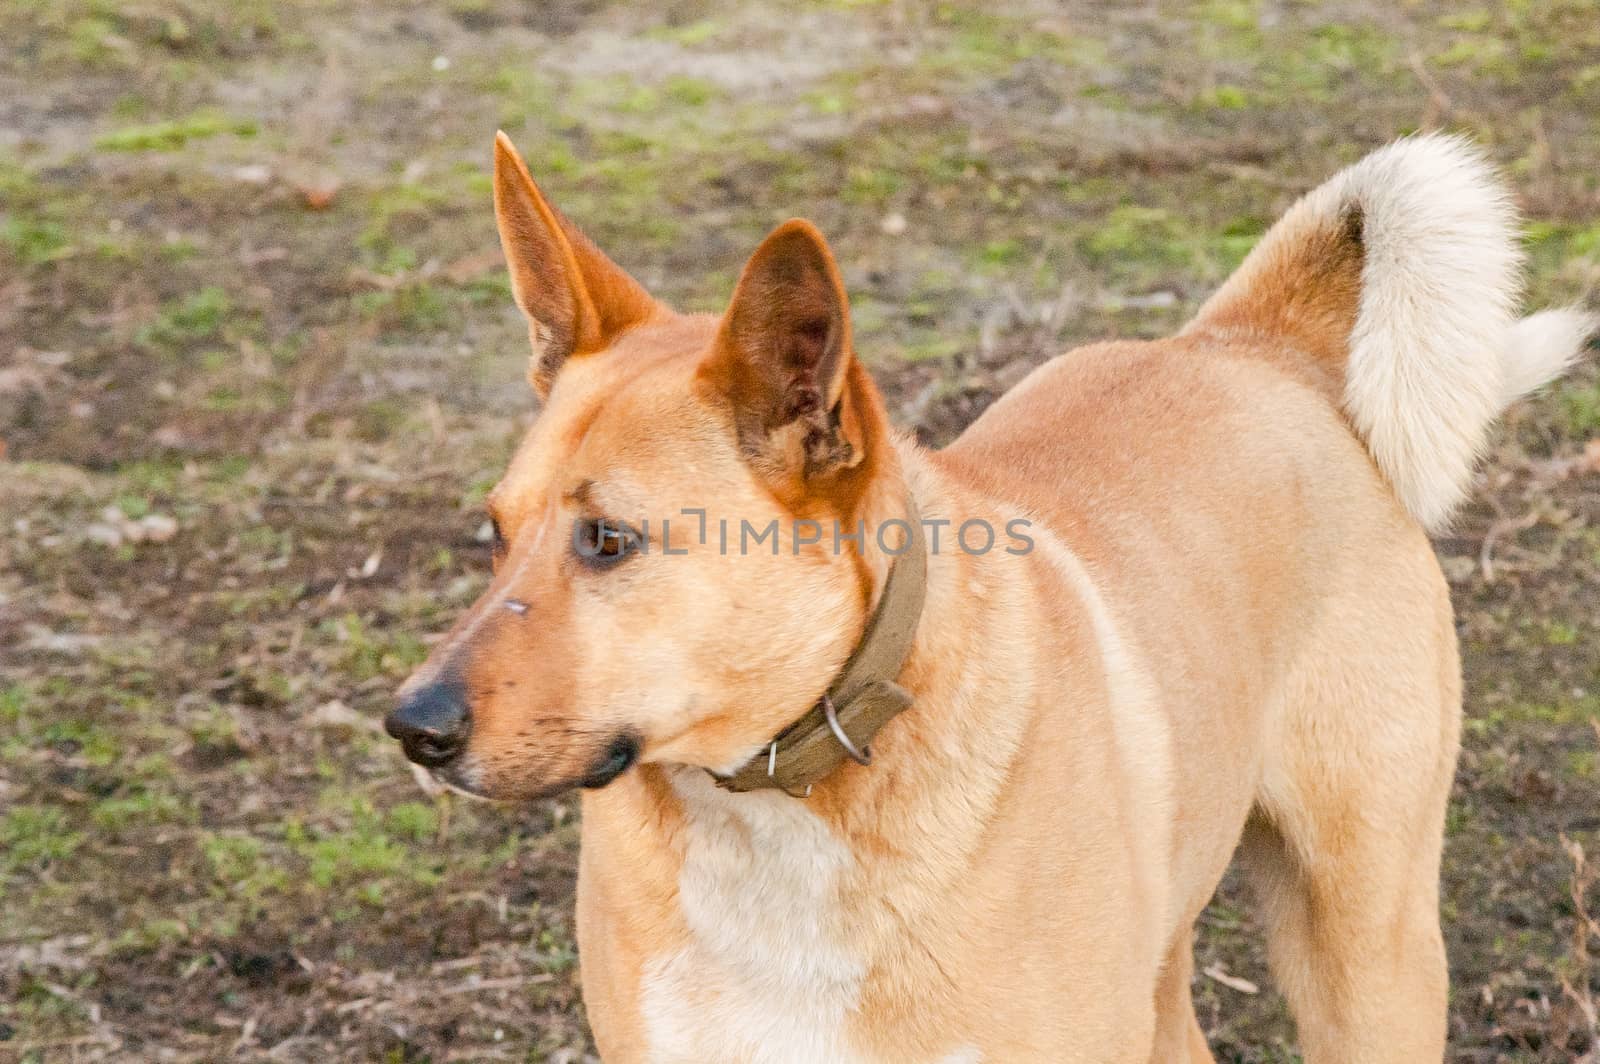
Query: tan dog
1211, 620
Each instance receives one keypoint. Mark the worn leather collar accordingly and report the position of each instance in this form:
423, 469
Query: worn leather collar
861, 699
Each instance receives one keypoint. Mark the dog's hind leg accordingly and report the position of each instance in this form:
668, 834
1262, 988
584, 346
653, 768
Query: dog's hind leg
1179, 1039
1345, 842
1356, 948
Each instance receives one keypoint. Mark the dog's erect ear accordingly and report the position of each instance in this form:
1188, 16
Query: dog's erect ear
576, 299
783, 358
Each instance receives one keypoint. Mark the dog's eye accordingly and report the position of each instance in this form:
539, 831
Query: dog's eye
601, 542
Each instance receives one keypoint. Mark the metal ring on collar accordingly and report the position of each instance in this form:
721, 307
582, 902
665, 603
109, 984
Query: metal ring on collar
860, 756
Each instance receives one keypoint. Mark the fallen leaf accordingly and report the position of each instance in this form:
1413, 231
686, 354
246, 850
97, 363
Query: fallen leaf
317, 187
158, 528
172, 437
319, 198
104, 534
253, 174
335, 714
360, 277
20, 379
71, 644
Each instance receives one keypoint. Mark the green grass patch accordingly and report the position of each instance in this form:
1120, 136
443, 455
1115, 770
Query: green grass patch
868, 186
140, 809
404, 200
690, 34
174, 133
413, 821
151, 935
231, 858
1486, 54
1560, 240
1563, 713
1560, 633
13, 703
1224, 98
94, 40
1580, 405
17, 184
690, 92
33, 836
93, 743
195, 317
410, 308
974, 43
931, 347
362, 855
35, 240
367, 653
1134, 230
527, 96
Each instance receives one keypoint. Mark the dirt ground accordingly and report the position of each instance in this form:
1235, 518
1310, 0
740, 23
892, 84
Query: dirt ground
259, 364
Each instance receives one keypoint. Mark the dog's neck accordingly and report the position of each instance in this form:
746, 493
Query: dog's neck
783, 914
916, 814
864, 694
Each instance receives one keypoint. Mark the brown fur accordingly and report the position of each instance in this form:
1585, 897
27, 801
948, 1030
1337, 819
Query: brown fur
1189, 655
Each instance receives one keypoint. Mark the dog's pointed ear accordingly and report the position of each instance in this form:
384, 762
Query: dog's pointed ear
575, 298
784, 361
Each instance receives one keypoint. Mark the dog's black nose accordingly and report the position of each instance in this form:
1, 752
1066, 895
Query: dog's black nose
432, 724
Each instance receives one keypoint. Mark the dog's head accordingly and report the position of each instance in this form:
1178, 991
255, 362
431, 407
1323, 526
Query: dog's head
654, 595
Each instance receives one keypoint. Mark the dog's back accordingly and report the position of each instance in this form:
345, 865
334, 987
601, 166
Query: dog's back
1252, 496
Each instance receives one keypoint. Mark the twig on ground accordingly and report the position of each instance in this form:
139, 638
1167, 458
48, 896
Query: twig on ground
1501, 528
1578, 986
1438, 101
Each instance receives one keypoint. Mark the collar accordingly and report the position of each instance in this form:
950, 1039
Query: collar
862, 698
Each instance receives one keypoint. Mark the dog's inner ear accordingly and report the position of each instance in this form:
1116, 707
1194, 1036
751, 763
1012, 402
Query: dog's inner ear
575, 298
783, 358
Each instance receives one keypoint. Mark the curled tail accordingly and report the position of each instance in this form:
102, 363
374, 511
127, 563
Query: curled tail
1401, 275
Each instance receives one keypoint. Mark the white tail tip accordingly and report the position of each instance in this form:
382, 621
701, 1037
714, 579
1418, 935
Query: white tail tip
1543, 346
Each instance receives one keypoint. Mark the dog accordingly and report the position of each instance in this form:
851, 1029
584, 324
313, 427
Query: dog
856, 792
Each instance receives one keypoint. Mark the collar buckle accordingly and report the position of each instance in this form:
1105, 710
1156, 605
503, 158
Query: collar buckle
772, 770
820, 740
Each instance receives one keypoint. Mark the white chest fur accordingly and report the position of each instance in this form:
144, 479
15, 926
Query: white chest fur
768, 975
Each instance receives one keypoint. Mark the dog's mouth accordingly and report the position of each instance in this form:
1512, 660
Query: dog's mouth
617, 759
460, 777
435, 782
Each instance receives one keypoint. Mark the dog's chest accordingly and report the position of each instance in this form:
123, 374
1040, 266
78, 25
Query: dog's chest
767, 974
